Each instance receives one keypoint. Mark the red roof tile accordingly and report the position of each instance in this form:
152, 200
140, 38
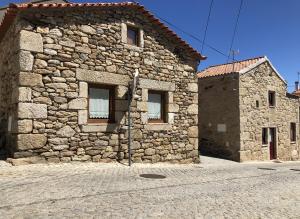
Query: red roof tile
13, 9
228, 68
296, 93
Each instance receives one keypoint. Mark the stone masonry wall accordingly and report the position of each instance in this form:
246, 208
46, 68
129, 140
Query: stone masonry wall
72, 48
254, 86
9, 68
219, 132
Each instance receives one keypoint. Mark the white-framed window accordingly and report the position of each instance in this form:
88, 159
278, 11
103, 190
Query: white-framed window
101, 104
156, 107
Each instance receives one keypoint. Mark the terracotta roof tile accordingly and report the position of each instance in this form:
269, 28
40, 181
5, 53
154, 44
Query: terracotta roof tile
228, 68
13, 9
296, 93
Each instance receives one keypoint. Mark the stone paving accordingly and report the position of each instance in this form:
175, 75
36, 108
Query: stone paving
213, 189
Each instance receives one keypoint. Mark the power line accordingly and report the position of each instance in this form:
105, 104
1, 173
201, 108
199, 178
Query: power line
193, 37
207, 22
190, 35
235, 29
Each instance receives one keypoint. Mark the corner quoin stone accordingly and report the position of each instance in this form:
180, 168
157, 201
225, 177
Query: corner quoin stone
25, 126
192, 109
193, 132
31, 41
31, 141
32, 111
30, 79
25, 94
193, 87
25, 60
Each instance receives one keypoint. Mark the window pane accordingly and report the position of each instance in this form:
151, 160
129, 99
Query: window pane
99, 103
271, 98
264, 136
293, 132
131, 36
154, 106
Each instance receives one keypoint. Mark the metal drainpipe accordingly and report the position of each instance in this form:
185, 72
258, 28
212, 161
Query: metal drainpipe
129, 95
131, 90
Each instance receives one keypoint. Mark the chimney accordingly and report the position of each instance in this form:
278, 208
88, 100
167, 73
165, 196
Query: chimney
296, 85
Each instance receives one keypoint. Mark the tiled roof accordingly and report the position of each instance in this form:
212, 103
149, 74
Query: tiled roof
228, 68
296, 93
13, 10
3, 10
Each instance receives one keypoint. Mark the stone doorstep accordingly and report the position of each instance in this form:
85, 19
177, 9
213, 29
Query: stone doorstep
26, 160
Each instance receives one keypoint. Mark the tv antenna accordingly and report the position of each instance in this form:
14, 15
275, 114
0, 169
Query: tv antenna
234, 53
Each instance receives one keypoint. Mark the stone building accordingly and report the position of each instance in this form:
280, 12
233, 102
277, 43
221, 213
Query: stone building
246, 113
65, 71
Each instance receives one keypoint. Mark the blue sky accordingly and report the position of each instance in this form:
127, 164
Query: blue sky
266, 27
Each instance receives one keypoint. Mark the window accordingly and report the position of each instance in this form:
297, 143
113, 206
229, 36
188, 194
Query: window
293, 132
272, 100
101, 104
132, 36
265, 136
257, 104
156, 107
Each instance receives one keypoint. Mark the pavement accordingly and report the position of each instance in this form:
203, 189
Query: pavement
215, 188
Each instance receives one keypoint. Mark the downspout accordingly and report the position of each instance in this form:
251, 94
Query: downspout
129, 124
130, 94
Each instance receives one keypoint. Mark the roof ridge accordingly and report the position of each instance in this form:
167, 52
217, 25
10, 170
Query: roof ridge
230, 63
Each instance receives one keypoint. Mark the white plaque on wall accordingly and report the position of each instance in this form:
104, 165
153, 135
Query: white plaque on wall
9, 123
221, 127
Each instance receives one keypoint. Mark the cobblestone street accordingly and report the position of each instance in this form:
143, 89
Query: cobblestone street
213, 189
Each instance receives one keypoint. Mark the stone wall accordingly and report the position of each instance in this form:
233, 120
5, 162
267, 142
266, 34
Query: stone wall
231, 122
254, 86
71, 48
9, 68
219, 133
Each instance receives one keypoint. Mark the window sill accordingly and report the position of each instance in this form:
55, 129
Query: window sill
158, 126
265, 145
99, 127
293, 142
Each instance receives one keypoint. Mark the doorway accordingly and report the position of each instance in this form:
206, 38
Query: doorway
272, 143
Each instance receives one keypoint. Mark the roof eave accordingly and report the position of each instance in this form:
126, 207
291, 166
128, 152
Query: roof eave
264, 59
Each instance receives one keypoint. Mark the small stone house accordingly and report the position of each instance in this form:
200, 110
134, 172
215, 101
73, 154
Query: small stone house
65, 71
246, 113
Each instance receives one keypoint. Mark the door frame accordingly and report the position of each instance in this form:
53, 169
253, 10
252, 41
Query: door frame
272, 136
